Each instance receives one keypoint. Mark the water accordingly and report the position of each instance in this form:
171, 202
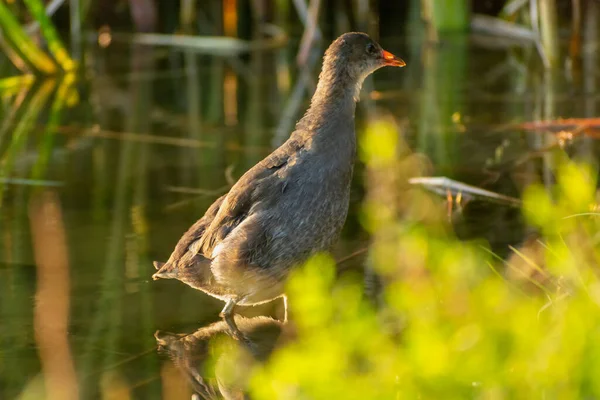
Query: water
157, 135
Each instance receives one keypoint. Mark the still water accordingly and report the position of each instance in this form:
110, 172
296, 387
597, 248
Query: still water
101, 176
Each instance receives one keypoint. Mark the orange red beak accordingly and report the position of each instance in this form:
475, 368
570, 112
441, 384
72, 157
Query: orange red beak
391, 60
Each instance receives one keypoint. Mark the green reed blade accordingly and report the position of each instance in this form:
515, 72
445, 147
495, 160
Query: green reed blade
9, 118
448, 15
13, 56
47, 142
14, 84
23, 44
24, 124
55, 45
21, 132
549, 31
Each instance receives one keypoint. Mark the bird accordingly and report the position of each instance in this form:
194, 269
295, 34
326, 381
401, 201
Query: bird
289, 206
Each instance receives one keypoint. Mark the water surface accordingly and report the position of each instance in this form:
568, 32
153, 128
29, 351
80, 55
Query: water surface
98, 184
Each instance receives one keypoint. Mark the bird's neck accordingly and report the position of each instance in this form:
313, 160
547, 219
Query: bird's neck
333, 103
336, 87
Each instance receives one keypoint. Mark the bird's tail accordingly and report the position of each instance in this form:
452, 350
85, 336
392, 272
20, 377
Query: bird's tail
164, 270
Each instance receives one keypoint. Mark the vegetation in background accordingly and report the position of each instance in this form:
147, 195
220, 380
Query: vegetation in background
32, 55
536, 20
446, 16
452, 319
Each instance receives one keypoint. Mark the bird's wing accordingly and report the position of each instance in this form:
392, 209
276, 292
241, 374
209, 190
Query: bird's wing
248, 190
190, 238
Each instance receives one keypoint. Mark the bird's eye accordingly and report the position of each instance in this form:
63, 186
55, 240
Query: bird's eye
371, 49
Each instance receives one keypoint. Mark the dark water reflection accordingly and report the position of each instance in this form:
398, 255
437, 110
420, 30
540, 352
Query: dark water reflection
192, 352
157, 135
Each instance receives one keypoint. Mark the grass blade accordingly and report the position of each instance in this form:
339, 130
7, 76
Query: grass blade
22, 130
47, 143
23, 44
14, 84
38, 11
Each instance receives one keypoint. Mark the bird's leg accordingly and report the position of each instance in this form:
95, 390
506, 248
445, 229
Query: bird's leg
227, 315
285, 308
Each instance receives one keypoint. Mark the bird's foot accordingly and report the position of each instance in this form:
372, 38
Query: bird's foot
227, 315
285, 309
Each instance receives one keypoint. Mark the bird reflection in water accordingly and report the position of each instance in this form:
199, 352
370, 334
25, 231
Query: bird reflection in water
234, 358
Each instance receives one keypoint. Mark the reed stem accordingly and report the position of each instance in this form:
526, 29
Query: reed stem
549, 30
448, 15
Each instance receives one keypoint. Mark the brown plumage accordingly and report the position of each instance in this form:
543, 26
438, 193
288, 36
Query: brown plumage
290, 205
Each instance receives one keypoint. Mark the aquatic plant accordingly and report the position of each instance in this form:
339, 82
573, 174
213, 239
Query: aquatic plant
29, 52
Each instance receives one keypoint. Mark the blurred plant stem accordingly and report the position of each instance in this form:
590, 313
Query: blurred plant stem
187, 15
257, 94
311, 32
282, 14
51, 8
446, 16
546, 110
14, 57
549, 31
193, 90
76, 15
441, 106
575, 40
589, 83
8, 120
56, 111
23, 128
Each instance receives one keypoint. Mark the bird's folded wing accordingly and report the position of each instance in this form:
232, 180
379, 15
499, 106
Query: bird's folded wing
248, 190
189, 240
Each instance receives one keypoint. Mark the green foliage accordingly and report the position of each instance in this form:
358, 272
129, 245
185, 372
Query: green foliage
21, 43
24, 47
451, 327
451, 15
55, 45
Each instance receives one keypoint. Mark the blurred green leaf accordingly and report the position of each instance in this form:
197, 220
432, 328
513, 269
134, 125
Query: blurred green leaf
11, 86
38, 11
23, 44
56, 112
23, 128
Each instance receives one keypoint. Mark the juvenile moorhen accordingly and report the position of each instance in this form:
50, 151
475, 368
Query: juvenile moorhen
291, 204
